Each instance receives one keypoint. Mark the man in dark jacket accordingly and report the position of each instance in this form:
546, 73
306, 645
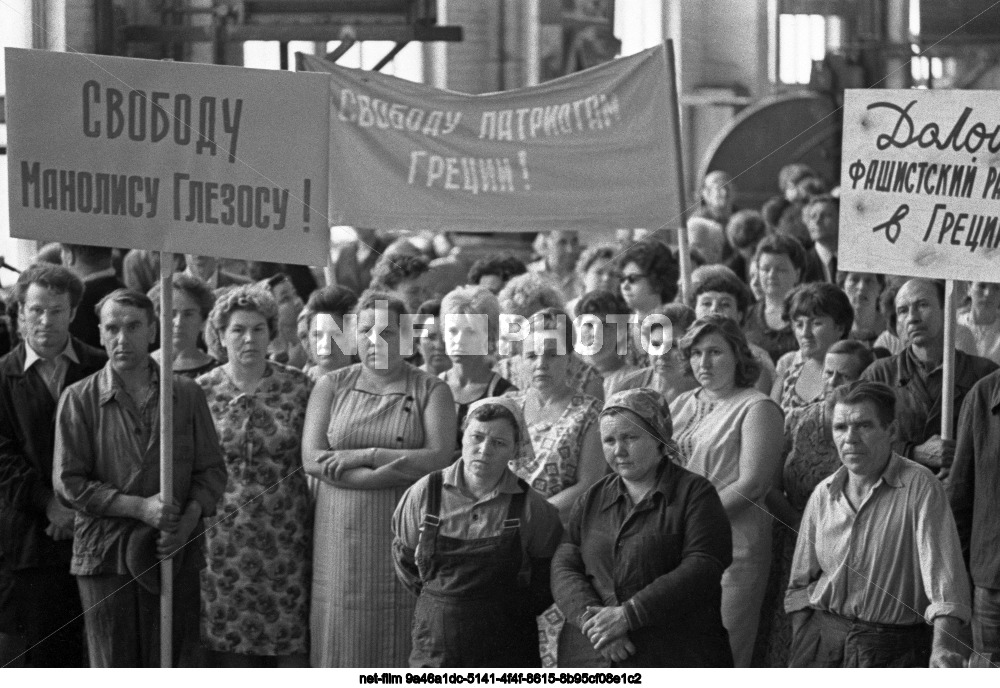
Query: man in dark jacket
93, 265
38, 596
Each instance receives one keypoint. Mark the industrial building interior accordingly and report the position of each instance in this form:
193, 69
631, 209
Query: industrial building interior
760, 80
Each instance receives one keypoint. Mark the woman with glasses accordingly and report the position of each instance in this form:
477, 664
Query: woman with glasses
780, 261
648, 272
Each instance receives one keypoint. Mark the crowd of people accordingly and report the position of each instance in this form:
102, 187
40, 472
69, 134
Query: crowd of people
762, 482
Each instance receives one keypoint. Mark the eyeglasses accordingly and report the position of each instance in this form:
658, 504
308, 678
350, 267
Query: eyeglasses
632, 279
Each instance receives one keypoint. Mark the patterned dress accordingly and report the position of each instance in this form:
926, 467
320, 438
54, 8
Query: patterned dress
255, 587
788, 370
811, 458
361, 613
554, 468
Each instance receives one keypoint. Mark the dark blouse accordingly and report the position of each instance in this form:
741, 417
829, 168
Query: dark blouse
663, 559
776, 343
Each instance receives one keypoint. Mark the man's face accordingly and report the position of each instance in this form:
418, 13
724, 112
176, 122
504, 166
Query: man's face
864, 444
561, 250
126, 333
44, 319
201, 266
822, 220
840, 369
919, 316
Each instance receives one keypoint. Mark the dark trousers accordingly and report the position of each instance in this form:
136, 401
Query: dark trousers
123, 619
41, 607
985, 628
828, 640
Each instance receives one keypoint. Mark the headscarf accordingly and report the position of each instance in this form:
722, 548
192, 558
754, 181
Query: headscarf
525, 452
652, 408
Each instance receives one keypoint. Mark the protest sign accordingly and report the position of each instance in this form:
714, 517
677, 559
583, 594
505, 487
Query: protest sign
168, 156
592, 150
920, 185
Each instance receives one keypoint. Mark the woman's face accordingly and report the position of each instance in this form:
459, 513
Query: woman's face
713, 362
629, 449
862, 289
381, 355
546, 369
328, 342
487, 447
432, 349
778, 275
985, 296
465, 335
718, 303
289, 305
246, 338
600, 275
637, 289
188, 322
669, 362
815, 334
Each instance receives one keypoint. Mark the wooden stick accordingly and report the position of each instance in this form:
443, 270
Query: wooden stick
948, 377
684, 254
166, 447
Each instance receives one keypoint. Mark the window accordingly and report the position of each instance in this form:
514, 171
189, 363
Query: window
802, 40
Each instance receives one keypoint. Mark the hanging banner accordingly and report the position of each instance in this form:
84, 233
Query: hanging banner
168, 156
920, 184
591, 150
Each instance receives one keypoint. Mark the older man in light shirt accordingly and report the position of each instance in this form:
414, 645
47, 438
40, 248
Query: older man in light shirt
877, 578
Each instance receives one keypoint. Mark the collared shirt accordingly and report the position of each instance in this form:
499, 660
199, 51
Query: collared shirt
464, 517
662, 558
53, 370
895, 560
825, 257
108, 444
100, 274
974, 485
918, 389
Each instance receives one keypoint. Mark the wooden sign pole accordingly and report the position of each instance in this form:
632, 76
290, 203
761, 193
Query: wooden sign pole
166, 447
948, 363
684, 254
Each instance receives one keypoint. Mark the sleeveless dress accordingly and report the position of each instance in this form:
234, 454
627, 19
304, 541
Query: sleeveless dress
255, 586
709, 434
788, 370
557, 457
361, 613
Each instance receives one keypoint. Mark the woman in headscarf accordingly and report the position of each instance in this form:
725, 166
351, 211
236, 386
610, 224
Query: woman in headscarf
639, 571
475, 544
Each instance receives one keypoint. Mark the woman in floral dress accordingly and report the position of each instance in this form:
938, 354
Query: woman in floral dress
255, 587
564, 433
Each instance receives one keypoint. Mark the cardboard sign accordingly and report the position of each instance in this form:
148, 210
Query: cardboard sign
168, 156
591, 150
920, 184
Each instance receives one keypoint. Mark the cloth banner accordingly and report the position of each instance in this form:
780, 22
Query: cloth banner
591, 150
920, 184
168, 156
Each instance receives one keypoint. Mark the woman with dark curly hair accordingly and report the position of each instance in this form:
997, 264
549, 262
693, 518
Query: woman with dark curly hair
727, 431
255, 587
820, 315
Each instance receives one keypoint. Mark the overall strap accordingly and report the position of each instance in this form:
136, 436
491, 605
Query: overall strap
432, 522
515, 510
